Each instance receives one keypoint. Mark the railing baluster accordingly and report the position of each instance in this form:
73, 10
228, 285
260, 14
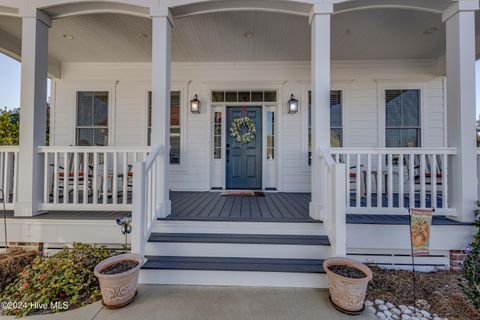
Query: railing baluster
66, 177
390, 179
379, 181
15, 175
400, 181
368, 187
433, 181
45, 177
445, 182
86, 177
411, 180
105, 178
358, 180
55, 177
422, 182
114, 178
5, 176
125, 178
75, 177
348, 177
96, 192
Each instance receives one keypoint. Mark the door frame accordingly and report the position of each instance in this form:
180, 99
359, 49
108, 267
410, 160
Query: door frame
265, 107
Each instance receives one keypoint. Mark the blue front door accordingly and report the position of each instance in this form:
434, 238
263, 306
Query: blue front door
244, 161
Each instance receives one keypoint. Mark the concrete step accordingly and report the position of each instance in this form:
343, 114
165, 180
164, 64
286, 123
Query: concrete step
233, 271
239, 245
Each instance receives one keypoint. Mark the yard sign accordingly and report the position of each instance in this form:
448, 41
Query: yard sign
420, 229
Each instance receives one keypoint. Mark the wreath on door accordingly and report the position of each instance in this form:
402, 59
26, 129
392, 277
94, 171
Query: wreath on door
243, 130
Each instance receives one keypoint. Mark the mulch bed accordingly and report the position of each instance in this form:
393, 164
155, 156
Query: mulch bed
12, 262
440, 289
119, 267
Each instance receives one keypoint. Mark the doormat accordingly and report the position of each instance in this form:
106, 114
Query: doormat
243, 193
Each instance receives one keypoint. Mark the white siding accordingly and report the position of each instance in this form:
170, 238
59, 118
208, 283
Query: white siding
360, 82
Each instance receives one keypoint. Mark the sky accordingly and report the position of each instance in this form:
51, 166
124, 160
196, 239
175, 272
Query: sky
10, 83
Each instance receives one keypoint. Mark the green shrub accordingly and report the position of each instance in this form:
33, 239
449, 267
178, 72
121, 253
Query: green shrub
65, 277
471, 268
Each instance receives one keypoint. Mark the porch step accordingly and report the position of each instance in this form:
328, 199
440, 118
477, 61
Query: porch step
233, 271
238, 245
237, 227
240, 238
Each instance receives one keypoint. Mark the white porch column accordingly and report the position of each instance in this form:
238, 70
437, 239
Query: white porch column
460, 33
161, 48
33, 112
320, 72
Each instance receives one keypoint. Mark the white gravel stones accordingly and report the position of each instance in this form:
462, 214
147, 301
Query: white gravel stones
388, 311
382, 307
368, 303
425, 313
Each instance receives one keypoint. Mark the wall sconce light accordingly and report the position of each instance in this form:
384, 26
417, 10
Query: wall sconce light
292, 105
195, 105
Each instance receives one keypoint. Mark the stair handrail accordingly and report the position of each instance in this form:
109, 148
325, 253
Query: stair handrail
144, 198
334, 198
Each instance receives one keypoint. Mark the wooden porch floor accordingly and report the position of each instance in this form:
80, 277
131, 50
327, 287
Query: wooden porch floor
212, 206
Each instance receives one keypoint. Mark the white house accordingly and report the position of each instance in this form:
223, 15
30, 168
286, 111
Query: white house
350, 111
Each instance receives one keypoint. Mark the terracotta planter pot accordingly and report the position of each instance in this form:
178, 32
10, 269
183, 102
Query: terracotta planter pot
347, 293
119, 289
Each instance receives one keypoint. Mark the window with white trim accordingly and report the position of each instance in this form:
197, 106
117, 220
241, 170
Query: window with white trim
92, 118
402, 118
175, 125
336, 120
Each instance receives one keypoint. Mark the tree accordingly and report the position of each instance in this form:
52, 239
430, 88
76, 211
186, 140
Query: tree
9, 126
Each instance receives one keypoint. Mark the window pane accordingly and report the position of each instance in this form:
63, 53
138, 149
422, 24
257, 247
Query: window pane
394, 108
100, 109
270, 135
257, 96
175, 127
410, 108
84, 109
100, 137
231, 96
175, 149
336, 138
270, 96
400, 138
84, 137
244, 96
218, 96
336, 109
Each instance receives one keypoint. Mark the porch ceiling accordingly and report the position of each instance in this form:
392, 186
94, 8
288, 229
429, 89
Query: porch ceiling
388, 33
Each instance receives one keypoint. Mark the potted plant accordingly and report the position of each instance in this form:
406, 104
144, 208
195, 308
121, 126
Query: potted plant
347, 282
118, 276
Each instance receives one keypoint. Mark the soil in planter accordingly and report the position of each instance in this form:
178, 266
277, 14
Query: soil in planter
119, 267
347, 272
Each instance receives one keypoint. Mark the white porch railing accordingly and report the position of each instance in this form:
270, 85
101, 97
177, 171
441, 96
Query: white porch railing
334, 218
388, 180
145, 204
8, 174
89, 178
